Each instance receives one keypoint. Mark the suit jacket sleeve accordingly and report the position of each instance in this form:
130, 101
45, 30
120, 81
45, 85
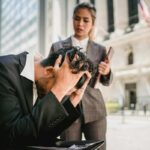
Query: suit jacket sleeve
20, 126
56, 116
105, 79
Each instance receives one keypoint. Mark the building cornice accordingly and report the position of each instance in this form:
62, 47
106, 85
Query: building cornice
138, 34
133, 70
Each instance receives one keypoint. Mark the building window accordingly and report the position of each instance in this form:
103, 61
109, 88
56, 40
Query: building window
23, 21
130, 58
77, 1
133, 12
92, 1
110, 17
131, 95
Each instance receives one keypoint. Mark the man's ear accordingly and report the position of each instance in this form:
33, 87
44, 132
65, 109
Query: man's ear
49, 72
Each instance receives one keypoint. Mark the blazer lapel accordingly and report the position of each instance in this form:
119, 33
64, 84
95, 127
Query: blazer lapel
67, 43
89, 48
27, 86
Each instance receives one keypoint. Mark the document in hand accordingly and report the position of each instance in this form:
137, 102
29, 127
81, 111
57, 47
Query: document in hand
72, 145
86, 145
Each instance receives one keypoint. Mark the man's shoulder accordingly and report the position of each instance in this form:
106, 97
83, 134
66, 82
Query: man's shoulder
12, 60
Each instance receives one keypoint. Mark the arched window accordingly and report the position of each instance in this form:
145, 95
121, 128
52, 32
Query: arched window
130, 58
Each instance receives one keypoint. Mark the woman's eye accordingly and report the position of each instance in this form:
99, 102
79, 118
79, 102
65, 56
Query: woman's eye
86, 21
77, 19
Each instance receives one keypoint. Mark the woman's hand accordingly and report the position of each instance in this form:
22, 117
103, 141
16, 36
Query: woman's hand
104, 67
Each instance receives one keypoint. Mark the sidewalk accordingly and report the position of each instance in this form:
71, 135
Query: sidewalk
128, 132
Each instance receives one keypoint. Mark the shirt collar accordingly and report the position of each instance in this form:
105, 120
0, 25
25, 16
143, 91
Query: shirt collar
28, 70
81, 43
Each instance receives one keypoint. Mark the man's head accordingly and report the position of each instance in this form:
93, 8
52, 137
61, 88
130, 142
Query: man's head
77, 62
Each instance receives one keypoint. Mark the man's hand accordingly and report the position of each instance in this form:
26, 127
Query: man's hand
77, 94
65, 79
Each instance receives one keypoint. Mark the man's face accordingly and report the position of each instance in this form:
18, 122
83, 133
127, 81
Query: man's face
45, 83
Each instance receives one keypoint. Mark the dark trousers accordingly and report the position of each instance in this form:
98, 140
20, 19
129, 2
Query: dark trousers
92, 131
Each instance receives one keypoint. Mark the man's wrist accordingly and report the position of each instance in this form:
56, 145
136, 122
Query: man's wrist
58, 92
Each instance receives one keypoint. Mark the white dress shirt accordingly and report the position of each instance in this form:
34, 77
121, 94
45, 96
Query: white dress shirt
28, 72
81, 43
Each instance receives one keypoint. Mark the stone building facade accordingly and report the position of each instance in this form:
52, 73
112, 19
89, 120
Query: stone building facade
120, 25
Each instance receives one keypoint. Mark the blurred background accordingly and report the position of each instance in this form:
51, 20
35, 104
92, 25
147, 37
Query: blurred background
33, 25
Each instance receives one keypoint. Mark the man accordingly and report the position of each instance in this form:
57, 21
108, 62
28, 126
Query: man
33, 106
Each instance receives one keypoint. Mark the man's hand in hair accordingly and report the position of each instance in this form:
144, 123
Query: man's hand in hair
65, 78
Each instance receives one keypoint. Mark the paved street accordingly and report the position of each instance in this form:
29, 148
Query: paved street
131, 132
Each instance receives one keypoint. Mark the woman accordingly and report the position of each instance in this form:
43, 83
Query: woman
93, 121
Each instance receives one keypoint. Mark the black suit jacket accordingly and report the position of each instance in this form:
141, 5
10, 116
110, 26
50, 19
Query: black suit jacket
92, 101
21, 123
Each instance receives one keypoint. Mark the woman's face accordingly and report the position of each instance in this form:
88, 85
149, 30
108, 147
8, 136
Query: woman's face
82, 23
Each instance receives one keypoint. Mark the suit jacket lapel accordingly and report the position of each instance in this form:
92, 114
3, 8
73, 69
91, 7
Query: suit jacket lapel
27, 86
93, 53
89, 48
67, 43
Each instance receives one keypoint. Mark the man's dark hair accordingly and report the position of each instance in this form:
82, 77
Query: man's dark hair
81, 63
77, 60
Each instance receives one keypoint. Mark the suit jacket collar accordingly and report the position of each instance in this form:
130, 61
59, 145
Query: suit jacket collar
89, 47
27, 86
22, 60
68, 43
28, 70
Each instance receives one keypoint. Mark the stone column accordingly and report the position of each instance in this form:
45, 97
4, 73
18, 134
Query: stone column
101, 19
56, 22
70, 7
41, 27
49, 25
120, 16
64, 18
